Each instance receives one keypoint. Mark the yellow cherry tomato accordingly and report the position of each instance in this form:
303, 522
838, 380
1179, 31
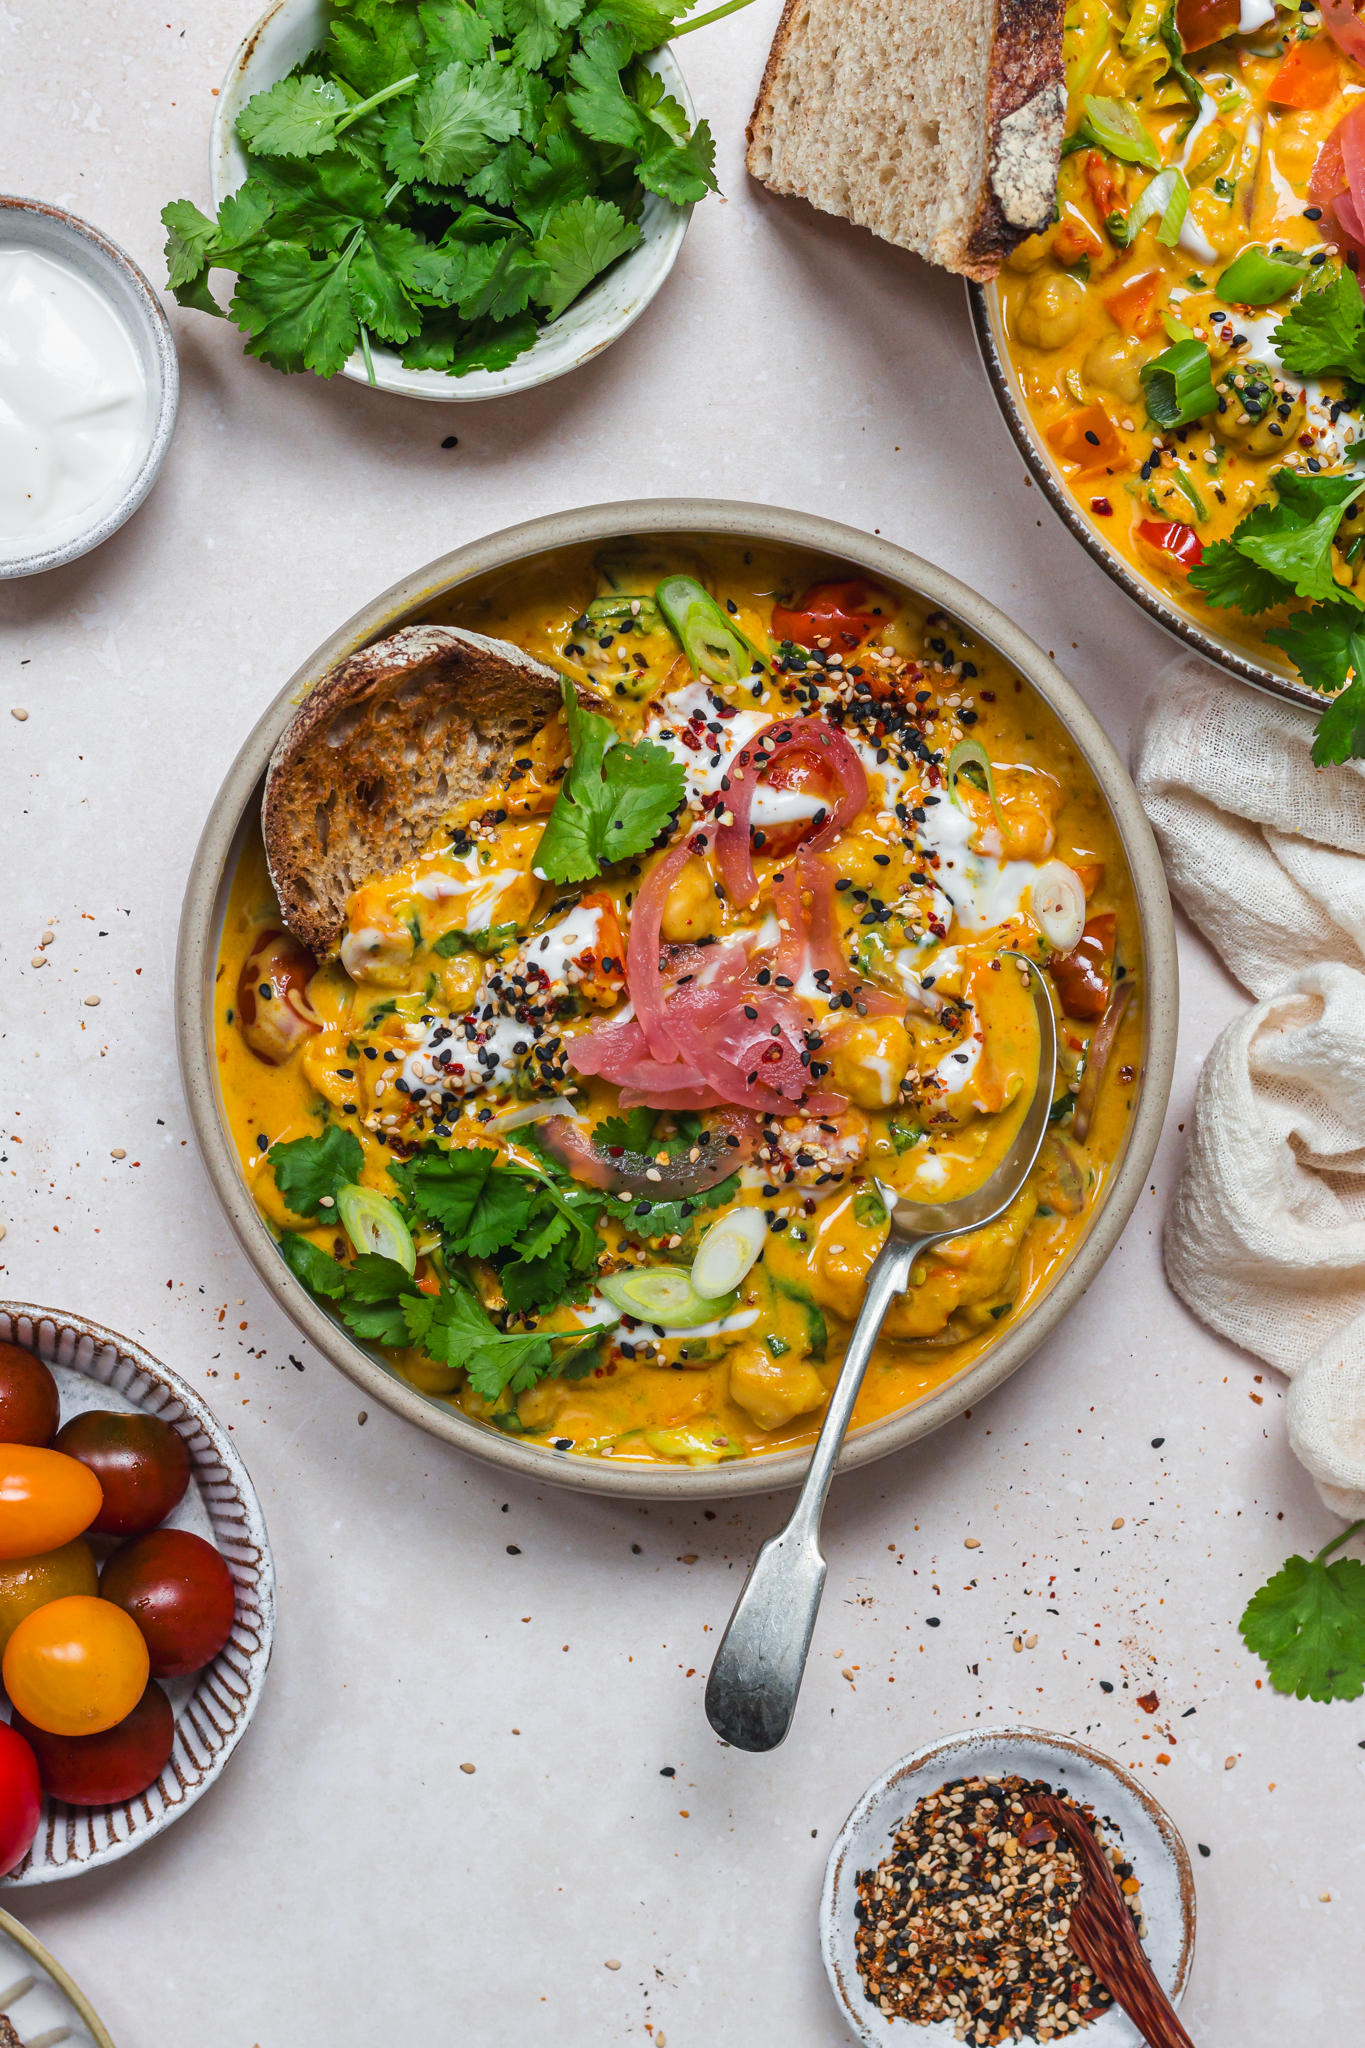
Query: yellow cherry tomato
76, 1666
46, 1498
29, 1582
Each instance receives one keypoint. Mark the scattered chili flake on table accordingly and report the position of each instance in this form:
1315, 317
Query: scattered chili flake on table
967, 1918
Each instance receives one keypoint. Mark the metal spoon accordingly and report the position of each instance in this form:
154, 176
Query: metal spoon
752, 1691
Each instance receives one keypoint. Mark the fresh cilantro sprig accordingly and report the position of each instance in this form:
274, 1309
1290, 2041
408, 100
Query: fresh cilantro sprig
1323, 333
613, 803
443, 177
539, 1235
1308, 1623
307, 1170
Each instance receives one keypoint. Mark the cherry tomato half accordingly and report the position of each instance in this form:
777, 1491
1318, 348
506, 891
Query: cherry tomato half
21, 1798
29, 1406
45, 1500
29, 1582
840, 615
1081, 977
76, 1666
179, 1591
100, 1770
141, 1463
795, 774
1174, 545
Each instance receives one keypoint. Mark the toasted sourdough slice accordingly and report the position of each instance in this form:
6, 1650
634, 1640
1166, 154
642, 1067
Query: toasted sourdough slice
379, 751
936, 123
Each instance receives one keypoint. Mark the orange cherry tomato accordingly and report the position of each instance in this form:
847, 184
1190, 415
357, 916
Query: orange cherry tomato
46, 1498
839, 615
1173, 546
1308, 77
76, 1666
1090, 439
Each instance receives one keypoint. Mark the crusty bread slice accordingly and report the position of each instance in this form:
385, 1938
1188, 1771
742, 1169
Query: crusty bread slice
936, 123
379, 751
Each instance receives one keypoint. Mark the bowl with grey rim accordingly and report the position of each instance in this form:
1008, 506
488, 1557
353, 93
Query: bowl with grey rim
829, 549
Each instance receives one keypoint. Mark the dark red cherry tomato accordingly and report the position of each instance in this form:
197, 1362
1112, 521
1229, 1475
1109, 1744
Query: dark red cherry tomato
272, 997
1201, 22
795, 774
839, 616
101, 1770
1082, 976
29, 1408
141, 1463
179, 1592
21, 1798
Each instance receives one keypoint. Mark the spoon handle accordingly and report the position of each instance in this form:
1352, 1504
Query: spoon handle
752, 1691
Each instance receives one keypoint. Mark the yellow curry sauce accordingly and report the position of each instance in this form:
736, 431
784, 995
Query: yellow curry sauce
1122, 279
934, 1082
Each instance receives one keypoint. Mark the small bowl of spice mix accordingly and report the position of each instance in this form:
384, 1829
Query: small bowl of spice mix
949, 1894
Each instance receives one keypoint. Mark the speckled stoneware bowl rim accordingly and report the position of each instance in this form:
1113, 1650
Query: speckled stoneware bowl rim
158, 331
609, 307
50, 1967
1276, 682
225, 1694
200, 922
1167, 1885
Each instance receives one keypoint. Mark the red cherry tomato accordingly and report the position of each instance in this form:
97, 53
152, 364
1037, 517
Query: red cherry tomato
180, 1593
1201, 22
795, 774
100, 1770
1081, 977
21, 1798
29, 1407
1177, 547
45, 1500
272, 997
842, 615
141, 1463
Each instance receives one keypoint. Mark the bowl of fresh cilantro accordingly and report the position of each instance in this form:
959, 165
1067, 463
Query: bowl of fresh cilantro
442, 199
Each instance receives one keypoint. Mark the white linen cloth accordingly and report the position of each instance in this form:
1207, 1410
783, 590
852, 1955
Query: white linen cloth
1265, 1238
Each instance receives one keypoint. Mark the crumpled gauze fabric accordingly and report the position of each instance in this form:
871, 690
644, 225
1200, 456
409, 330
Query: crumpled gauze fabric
1265, 1239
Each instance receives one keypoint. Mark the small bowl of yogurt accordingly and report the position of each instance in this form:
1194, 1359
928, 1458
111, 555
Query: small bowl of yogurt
88, 386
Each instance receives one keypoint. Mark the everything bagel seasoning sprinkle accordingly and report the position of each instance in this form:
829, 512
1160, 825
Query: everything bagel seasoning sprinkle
967, 1918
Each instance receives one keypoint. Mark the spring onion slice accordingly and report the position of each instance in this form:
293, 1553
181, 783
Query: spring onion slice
637, 611
531, 1113
1115, 127
710, 638
971, 753
662, 1294
728, 1251
373, 1224
1057, 900
1178, 384
1257, 277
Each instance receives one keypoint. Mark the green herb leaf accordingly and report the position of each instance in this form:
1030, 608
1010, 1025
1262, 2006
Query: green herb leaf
457, 1331
1324, 644
373, 43
190, 235
564, 168
454, 123
641, 1219
1323, 333
1230, 580
456, 32
1178, 385
648, 24
444, 1187
294, 118
297, 308
375, 1322
457, 346
307, 1262
583, 239
493, 940
537, 28
1341, 729
372, 1278
306, 1169
612, 804
1308, 1623
631, 1132
1282, 550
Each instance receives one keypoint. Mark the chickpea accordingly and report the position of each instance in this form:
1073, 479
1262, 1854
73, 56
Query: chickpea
772, 1390
692, 910
1030, 253
1115, 364
870, 1060
1053, 309
460, 978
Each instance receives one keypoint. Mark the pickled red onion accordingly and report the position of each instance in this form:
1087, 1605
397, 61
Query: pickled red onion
1345, 27
813, 736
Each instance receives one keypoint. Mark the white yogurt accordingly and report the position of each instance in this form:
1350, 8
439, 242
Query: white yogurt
73, 397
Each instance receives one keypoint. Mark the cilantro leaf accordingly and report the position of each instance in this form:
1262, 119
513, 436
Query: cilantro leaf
382, 267
537, 28
536, 1283
373, 43
294, 118
598, 101
1308, 1623
1323, 333
306, 1169
307, 1262
453, 124
320, 199
583, 239
444, 1187
1282, 550
563, 168
641, 1219
373, 1278
678, 165
297, 309
492, 940
456, 346
456, 1330
1341, 729
648, 23
375, 1322
613, 803
1228, 578
1324, 644
631, 1132
455, 32
190, 235
500, 179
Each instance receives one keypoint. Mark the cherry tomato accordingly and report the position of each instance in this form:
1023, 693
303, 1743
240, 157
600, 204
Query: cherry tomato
45, 1500
179, 1591
29, 1406
1201, 22
29, 1582
272, 997
76, 1666
795, 774
839, 615
1081, 977
141, 1463
1174, 545
100, 1770
21, 1798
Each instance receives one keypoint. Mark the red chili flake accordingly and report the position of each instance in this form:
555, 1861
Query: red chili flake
1148, 1702
1102, 507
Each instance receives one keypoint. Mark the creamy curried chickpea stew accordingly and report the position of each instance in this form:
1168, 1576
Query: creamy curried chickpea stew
578, 1130
1189, 337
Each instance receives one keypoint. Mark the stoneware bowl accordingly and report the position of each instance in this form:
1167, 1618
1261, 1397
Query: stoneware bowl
37, 1995
1133, 1821
96, 1368
828, 550
32, 224
1269, 672
285, 34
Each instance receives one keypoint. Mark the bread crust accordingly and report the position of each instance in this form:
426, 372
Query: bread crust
390, 741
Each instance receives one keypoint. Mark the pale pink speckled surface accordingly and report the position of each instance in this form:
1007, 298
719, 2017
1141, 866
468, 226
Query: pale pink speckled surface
346, 1876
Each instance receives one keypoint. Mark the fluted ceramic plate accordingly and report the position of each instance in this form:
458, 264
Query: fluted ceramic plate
38, 1997
1133, 1821
96, 1368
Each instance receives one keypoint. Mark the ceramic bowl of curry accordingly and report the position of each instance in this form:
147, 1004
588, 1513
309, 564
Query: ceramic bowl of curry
875, 785
1157, 351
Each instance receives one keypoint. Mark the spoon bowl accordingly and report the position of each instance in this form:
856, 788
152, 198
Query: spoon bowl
756, 1677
